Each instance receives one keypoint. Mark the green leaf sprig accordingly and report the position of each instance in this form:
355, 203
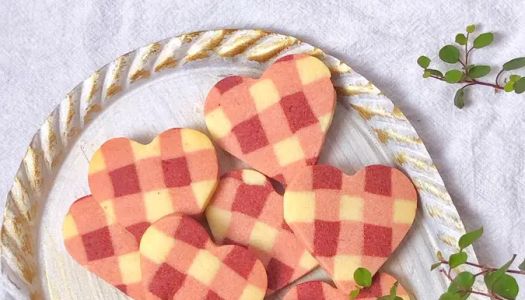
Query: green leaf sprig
469, 74
393, 293
363, 280
499, 281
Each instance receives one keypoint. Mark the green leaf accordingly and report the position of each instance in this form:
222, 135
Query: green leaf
432, 72
393, 289
514, 64
449, 54
450, 296
459, 98
522, 265
453, 76
435, 72
506, 287
478, 71
354, 294
471, 28
519, 86
492, 277
514, 77
389, 297
435, 266
423, 61
457, 259
461, 283
393, 293
509, 87
363, 277
506, 266
470, 237
461, 39
440, 256
483, 40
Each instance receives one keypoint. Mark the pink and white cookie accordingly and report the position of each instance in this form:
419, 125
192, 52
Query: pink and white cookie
103, 246
179, 261
348, 222
245, 210
319, 290
277, 123
138, 184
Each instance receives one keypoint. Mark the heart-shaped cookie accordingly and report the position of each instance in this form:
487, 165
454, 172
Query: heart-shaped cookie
179, 261
277, 123
319, 290
138, 184
103, 246
348, 222
245, 210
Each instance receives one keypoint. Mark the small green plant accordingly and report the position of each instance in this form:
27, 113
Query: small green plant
469, 74
500, 282
363, 279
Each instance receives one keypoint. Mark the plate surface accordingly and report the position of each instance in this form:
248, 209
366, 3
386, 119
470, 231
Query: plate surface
163, 85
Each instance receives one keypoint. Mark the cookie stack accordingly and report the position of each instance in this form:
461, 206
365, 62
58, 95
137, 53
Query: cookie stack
162, 224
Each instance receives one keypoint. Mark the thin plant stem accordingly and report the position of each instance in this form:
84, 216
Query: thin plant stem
497, 76
473, 82
485, 294
447, 274
480, 273
488, 269
466, 54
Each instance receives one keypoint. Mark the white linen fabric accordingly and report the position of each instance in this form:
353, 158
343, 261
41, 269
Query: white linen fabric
47, 47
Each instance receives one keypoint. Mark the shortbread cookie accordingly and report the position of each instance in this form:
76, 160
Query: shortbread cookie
245, 210
276, 124
348, 222
103, 246
179, 261
138, 184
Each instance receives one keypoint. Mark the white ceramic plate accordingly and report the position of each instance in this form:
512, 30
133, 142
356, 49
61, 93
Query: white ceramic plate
163, 85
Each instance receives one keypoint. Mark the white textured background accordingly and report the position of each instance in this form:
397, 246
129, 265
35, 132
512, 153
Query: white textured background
47, 47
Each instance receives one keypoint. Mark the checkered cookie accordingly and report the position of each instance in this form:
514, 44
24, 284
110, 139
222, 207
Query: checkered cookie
348, 222
318, 290
179, 261
103, 247
277, 123
245, 210
138, 184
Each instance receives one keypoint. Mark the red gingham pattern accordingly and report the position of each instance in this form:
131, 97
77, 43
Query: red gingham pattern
318, 290
348, 222
277, 124
107, 250
179, 261
138, 184
245, 210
